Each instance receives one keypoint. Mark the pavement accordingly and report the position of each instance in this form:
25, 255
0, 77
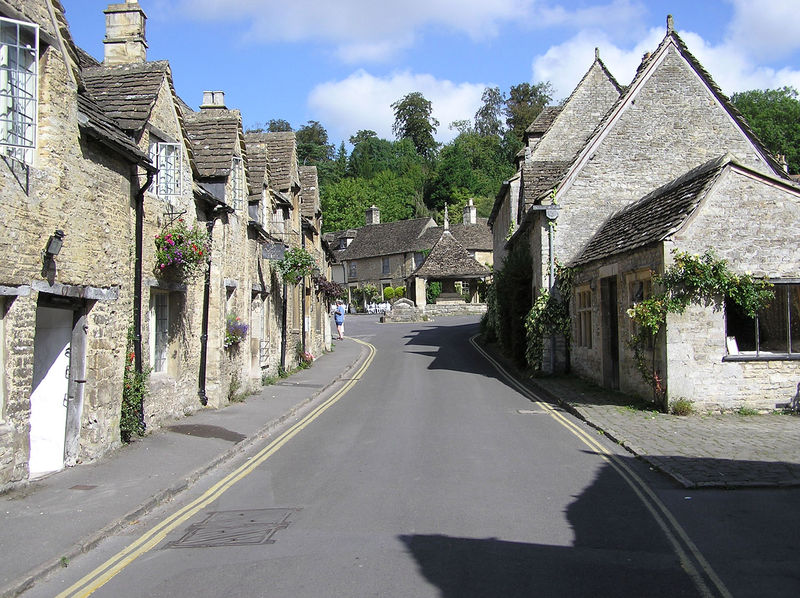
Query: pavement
68, 513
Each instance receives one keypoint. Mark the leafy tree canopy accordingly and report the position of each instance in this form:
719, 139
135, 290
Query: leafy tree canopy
523, 105
413, 120
312, 144
774, 115
277, 125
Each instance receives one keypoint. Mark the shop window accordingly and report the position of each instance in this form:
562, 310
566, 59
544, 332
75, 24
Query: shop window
773, 333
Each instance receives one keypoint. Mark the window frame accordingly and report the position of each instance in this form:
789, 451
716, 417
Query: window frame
237, 183
164, 188
583, 313
352, 270
385, 266
13, 94
159, 348
733, 353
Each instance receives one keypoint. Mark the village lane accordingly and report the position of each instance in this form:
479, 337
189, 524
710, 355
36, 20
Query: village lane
432, 476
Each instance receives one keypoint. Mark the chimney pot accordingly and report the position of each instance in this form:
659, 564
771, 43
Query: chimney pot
470, 213
373, 215
213, 99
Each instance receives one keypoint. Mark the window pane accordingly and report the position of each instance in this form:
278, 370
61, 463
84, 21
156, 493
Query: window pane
794, 318
773, 323
740, 326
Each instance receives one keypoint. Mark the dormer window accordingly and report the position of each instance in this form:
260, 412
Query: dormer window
19, 51
167, 158
237, 183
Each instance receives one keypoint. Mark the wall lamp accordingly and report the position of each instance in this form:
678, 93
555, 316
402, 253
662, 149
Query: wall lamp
54, 244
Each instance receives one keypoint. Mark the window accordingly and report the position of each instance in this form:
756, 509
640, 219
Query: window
19, 51
343, 243
167, 158
419, 257
385, 265
584, 312
353, 271
237, 183
641, 288
159, 330
775, 331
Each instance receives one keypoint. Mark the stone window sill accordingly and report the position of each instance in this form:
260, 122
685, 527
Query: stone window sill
763, 357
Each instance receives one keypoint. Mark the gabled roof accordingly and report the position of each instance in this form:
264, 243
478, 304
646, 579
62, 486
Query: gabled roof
257, 162
543, 121
96, 123
449, 259
671, 39
127, 92
657, 215
281, 160
477, 237
309, 192
539, 177
388, 238
214, 135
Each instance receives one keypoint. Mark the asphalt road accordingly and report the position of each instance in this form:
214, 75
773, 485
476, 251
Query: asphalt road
434, 476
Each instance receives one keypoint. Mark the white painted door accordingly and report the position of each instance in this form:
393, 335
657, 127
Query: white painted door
50, 383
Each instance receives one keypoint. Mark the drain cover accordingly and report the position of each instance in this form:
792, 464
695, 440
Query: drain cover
235, 528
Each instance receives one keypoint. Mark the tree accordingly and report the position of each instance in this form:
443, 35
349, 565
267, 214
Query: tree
774, 115
413, 120
488, 117
277, 125
312, 144
523, 105
362, 135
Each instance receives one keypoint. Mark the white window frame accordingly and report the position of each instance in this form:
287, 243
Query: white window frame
19, 89
237, 183
168, 159
159, 330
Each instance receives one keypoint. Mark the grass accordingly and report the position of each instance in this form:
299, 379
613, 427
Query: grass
747, 411
682, 407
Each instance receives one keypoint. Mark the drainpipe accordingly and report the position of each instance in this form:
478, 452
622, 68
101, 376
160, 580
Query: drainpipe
137, 282
284, 330
303, 291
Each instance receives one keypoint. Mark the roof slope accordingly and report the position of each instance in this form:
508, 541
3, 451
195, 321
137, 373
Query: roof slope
214, 135
449, 259
127, 92
93, 120
539, 178
309, 192
543, 120
657, 215
476, 236
388, 238
281, 160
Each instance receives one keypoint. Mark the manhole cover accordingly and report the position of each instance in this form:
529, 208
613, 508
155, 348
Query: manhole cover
235, 528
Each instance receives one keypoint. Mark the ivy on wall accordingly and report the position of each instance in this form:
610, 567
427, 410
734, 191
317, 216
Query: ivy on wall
549, 316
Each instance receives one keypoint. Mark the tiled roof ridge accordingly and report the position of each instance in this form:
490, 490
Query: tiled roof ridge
448, 249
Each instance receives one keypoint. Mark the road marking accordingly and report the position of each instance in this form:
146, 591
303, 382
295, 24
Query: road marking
662, 515
105, 572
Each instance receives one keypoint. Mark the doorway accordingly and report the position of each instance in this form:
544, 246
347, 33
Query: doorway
610, 329
59, 350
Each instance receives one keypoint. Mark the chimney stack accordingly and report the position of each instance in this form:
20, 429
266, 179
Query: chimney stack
125, 41
470, 213
213, 100
373, 215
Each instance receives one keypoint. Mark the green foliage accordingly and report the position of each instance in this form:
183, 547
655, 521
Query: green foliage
488, 118
330, 290
746, 411
490, 325
367, 293
277, 125
182, 250
134, 392
682, 406
774, 115
312, 144
524, 103
235, 331
513, 296
432, 292
549, 316
234, 388
388, 293
399, 292
413, 119
701, 279
296, 263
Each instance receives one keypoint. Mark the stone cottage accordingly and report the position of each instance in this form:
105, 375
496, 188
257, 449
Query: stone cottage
141, 97
70, 178
720, 358
671, 119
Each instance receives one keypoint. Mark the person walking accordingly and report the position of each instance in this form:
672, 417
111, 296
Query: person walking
338, 317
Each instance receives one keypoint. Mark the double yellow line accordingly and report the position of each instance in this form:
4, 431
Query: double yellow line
691, 559
102, 574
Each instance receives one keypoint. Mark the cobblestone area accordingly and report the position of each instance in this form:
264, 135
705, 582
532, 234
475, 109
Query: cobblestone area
699, 450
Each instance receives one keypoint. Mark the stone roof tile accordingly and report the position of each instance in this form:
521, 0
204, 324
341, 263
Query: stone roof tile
388, 238
214, 135
449, 259
309, 191
93, 120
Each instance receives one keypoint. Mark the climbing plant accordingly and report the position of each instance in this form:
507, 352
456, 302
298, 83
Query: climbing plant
134, 391
548, 316
701, 279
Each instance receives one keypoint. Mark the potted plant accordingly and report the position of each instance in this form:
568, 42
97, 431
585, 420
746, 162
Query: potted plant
181, 250
296, 264
235, 331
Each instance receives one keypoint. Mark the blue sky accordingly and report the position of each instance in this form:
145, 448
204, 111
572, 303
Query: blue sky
343, 62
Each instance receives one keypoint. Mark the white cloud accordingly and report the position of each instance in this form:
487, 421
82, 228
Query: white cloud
621, 17
729, 63
363, 101
765, 30
359, 29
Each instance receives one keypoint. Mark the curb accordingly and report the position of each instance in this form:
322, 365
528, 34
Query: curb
87, 543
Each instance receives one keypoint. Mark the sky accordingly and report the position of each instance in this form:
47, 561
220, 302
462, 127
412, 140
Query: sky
343, 62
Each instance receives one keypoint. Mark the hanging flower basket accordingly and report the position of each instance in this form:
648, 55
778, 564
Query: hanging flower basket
296, 264
182, 250
235, 331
